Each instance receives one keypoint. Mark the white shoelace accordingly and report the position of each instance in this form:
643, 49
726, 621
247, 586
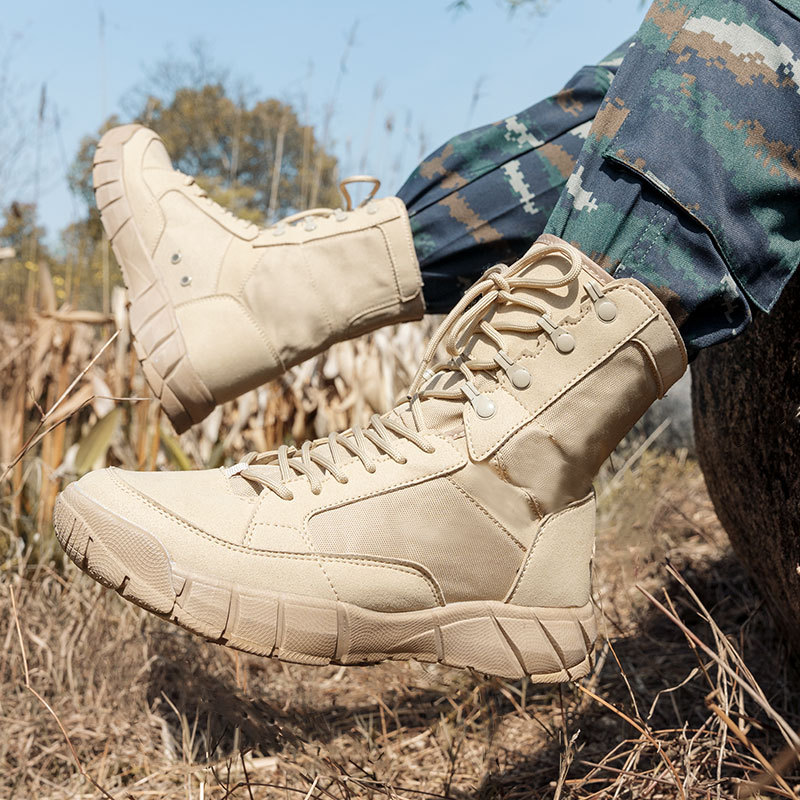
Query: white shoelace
279, 227
496, 287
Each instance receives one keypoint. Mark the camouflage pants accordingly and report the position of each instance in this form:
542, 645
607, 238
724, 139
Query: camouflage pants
688, 179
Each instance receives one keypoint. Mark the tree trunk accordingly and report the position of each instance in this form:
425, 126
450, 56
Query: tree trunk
746, 402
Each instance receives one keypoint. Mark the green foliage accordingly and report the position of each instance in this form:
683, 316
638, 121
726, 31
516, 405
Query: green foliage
94, 445
18, 230
252, 155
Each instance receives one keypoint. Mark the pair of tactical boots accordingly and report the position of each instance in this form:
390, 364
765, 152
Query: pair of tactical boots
458, 528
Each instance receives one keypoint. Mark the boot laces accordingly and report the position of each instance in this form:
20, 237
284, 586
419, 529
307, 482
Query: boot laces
310, 215
495, 288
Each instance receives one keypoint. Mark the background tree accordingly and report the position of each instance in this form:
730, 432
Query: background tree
746, 396
256, 158
19, 231
252, 155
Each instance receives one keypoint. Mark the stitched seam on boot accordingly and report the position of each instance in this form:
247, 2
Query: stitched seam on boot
533, 502
539, 536
407, 567
398, 294
487, 514
251, 530
651, 362
405, 221
451, 467
321, 300
222, 261
315, 556
259, 329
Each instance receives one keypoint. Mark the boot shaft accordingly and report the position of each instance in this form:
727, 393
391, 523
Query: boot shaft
296, 289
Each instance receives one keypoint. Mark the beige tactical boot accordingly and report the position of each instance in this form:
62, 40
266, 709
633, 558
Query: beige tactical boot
457, 528
219, 306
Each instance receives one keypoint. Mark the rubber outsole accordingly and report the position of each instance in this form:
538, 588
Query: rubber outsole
157, 338
550, 645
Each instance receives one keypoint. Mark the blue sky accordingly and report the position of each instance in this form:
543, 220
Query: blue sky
435, 71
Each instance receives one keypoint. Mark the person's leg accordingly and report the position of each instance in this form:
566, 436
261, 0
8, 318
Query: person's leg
689, 180
485, 195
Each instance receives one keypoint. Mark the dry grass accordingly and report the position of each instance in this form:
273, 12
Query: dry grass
98, 698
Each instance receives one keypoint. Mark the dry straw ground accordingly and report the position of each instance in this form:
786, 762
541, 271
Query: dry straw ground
693, 696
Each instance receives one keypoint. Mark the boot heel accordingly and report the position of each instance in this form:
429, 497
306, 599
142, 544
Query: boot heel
549, 645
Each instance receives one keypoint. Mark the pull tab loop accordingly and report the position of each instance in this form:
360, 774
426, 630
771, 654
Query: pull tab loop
376, 184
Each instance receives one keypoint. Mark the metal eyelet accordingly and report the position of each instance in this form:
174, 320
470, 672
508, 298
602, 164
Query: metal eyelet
186, 280
484, 406
605, 309
519, 376
563, 340
175, 258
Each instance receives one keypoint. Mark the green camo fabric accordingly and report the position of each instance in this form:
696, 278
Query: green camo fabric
688, 178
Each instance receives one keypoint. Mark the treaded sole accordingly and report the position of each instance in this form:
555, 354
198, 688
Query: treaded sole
158, 341
550, 645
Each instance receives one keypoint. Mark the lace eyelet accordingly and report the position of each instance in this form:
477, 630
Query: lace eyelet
564, 342
519, 376
605, 308
484, 406
562, 339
